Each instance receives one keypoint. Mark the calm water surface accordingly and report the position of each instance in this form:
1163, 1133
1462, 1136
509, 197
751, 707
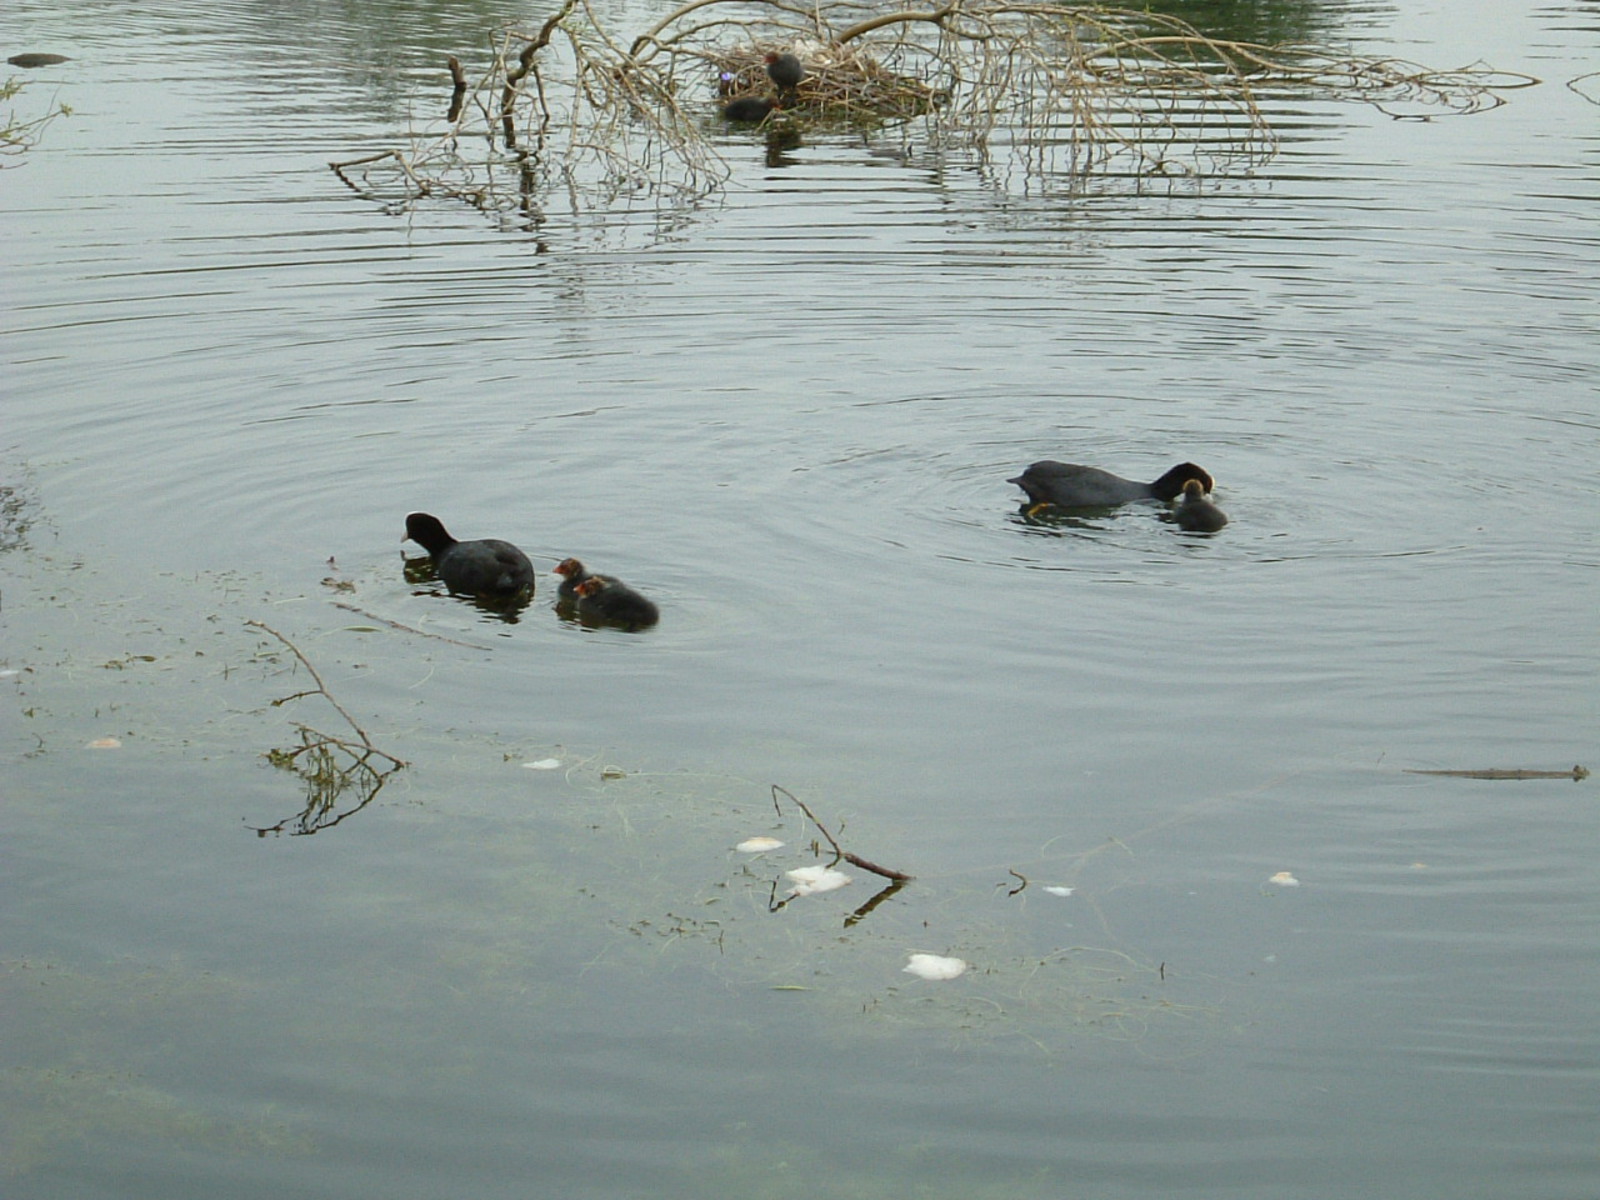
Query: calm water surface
789, 416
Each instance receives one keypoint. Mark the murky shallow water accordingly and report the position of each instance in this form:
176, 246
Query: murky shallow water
790, 420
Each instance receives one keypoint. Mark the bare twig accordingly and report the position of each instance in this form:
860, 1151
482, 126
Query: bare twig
839, 852
936, 16
406, 628
329, 765
360, 750
18, 137
1577, 773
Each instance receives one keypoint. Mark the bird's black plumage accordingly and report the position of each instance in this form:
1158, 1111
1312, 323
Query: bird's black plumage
785, 70
1069, 485
606, 601
488, 567
748, 109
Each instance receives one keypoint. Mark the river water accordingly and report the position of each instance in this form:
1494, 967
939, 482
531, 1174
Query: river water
1274, 963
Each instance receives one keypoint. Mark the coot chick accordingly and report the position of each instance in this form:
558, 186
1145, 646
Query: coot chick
1068, 485
785, 70
1196, 514
488, 568
748, 109
572, 573
609, 601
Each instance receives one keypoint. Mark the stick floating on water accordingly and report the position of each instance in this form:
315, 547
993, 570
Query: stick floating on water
1576, 774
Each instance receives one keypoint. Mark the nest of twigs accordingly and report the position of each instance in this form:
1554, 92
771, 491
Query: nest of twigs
842, 83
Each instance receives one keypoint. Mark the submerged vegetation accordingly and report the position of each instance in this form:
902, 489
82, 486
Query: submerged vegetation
1060, 91
19, 511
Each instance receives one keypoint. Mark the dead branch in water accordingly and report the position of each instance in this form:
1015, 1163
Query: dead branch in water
439, 637
1066, 90
897, 879
839, 852
328, 764
1577, 774
17, 137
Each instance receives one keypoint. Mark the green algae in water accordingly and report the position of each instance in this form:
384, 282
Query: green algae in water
94, 1055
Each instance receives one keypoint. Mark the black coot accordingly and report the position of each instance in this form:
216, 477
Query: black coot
488, 568
1068, 485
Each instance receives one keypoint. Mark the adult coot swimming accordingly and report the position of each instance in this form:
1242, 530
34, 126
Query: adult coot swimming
1196, 514
608, 601
488, 568
1068, 485
785, 70
748, 109
572, 573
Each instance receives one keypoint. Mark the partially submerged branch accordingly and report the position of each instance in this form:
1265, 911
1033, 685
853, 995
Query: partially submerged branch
897, 879
1577, 774
1066, 90
838, 851
328, 764
17, 137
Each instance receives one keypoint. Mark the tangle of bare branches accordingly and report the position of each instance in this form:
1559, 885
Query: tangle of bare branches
573, 111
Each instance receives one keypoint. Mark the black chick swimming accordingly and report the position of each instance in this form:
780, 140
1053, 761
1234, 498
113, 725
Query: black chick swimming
606, 601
